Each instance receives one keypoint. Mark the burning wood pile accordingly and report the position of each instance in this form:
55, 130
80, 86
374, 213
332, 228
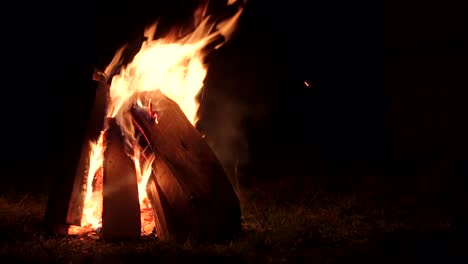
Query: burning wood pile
144, 168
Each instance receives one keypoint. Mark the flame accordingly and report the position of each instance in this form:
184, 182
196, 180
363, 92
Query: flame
172, 65
93, 201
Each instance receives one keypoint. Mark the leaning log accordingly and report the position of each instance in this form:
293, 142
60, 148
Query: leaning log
95, 126
191, 186
167, 225
121, 207
65, 200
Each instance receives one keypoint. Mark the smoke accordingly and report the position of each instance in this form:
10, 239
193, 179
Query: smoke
223, 123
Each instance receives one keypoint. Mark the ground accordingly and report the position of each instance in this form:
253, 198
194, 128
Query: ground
283, 221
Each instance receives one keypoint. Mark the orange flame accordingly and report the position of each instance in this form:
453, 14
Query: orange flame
173, 65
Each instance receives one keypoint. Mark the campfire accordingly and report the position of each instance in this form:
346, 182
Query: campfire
144, 168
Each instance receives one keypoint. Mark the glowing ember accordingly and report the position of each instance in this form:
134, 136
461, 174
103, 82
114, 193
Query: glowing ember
173, 65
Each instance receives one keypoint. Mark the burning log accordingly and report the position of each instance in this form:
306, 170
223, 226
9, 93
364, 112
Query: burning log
191, 194
121, 207
65, 201
95, 126
180, 188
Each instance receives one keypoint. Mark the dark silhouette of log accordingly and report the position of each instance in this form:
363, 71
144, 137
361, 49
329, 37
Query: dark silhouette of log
190, 190
121, 207
65, 196
95, 126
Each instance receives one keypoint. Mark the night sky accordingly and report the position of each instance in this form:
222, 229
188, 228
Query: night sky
387, 82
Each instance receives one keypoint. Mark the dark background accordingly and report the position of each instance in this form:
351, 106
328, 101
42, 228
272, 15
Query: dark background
387, 94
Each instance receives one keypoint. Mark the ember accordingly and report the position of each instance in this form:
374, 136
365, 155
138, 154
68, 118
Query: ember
144, 167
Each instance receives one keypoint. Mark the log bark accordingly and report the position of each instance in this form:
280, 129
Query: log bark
190, 186
121, 207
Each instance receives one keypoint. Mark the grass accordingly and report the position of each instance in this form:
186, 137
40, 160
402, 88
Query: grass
282, 222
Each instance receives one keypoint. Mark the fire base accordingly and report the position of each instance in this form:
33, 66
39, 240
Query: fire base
189, 192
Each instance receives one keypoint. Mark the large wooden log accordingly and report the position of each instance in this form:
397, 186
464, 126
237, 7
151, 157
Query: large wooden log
121, 207
65, 200
192, 189
95, 126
